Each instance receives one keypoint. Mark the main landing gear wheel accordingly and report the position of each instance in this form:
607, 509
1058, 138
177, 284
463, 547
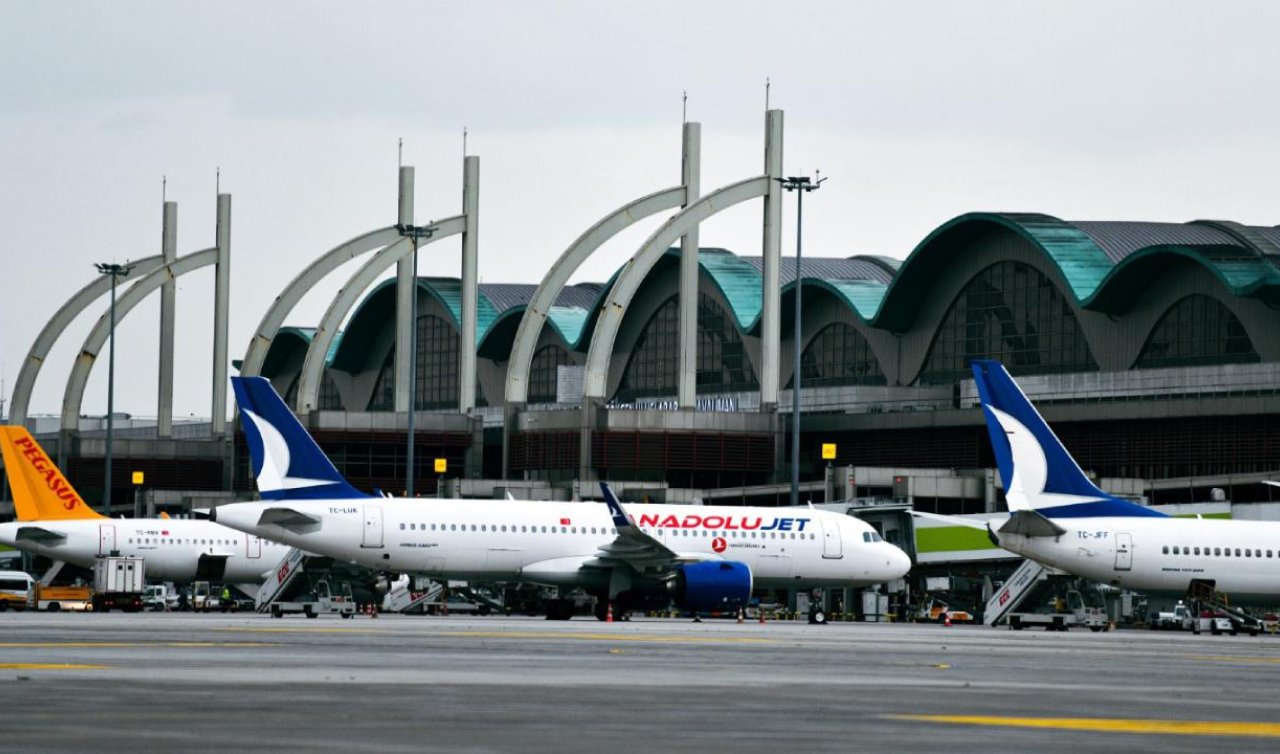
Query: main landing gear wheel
818, 617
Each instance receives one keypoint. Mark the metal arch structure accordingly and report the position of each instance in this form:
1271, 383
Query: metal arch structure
53, 330
331, 260
535, 315
74, 395
313, 364
628, 282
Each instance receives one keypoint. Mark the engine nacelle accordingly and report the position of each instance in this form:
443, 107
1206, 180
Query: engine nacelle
713, 585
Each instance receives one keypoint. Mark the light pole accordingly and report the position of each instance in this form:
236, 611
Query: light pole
116, 271
414, 232
801, 185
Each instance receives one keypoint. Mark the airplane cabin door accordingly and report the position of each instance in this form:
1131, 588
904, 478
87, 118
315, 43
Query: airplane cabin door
253, 546
1124, 551
832, 547
106, 539
372, 526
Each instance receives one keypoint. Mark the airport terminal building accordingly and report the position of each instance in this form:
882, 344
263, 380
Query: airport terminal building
1153, 349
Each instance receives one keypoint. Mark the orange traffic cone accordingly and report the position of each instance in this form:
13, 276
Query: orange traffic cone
741, 612
608, 614
946, 620
761, 612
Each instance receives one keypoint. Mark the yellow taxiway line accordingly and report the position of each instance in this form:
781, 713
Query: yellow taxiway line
1246, 660
1110, 725
48, 666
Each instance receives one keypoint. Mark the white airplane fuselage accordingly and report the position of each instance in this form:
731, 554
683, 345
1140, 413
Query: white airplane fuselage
557, 543
172, 547
1240, 558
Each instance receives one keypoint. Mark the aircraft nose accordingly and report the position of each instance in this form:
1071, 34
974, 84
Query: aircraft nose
897, 563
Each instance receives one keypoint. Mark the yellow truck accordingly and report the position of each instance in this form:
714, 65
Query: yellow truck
55, 598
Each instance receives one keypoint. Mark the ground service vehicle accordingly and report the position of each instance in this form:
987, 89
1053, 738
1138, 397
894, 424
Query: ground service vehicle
321, 600
159, 597
55, 598
15, 588
1178, 619
118, 582
1069, 612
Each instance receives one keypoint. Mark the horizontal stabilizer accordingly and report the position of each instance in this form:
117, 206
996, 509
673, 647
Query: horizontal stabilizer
39, 534
288, 518
1029, 523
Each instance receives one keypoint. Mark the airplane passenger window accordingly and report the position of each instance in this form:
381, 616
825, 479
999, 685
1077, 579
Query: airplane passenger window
1237, 552
1197, 551
453, 527
1217, 551
504, 527
401, 527
564, 530
1268, 551
524, 529
1248, 552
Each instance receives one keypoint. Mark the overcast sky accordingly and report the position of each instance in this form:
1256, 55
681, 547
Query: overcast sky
917, 112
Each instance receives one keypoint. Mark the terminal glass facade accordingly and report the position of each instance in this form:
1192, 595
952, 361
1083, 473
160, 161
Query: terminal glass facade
1011, 312
1197, 330
437, 369
839, 355
543, 373
722, 359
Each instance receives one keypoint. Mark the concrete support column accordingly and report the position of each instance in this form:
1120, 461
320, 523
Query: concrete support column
168, 301
406, 288
770, 330
687, 391
470, 286
221, 313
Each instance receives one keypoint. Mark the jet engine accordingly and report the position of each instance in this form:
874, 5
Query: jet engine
713, 585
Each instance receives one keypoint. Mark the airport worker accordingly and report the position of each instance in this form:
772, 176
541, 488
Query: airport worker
226, 595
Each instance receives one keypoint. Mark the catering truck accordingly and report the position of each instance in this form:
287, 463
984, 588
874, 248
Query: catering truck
118, 582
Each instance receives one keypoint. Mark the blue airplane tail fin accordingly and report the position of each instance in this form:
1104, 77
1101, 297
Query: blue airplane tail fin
1037, 471
286, 461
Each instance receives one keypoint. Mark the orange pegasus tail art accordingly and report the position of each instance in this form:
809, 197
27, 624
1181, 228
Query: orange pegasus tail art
40, 491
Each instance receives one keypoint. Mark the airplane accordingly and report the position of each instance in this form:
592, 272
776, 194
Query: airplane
1058, 517
700, 558
54, 521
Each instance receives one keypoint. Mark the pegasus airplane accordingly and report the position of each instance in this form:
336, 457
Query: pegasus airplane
1059, 518
54, 521
634, 557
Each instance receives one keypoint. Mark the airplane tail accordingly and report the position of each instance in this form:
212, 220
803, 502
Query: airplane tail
40, 491
1038, 472
286, 460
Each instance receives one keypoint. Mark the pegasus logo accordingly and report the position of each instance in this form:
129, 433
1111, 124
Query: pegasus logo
45, 468
274, 474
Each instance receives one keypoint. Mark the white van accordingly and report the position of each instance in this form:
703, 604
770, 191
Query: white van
14, 588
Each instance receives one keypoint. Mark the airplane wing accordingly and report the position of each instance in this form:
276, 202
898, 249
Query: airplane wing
40, 535
288, 518
632, 545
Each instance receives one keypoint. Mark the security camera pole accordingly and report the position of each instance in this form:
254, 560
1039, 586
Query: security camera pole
801, 185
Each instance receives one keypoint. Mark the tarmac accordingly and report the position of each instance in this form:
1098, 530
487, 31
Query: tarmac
204, 683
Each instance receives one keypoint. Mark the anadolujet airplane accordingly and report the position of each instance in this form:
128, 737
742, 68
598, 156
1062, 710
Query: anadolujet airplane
1061, 519
54, 521
637, 556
